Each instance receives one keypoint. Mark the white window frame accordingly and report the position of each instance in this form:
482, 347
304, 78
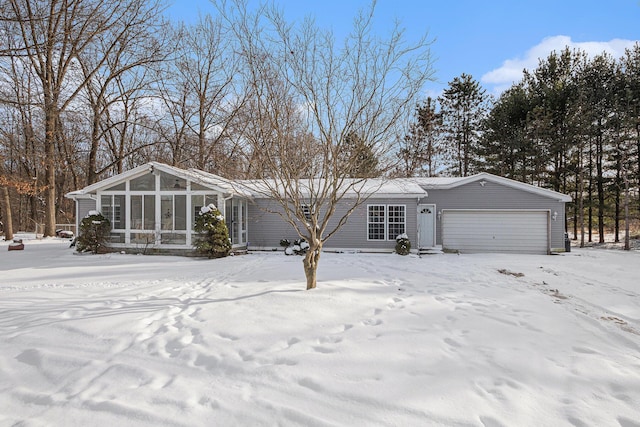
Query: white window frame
386, 222
114, 215
306, 211
389, 223
383, 223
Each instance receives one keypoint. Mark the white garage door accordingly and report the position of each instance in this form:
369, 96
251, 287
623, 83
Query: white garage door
487, 230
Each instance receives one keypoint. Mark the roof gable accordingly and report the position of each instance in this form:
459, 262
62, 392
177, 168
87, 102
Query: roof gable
214, 182
445, 183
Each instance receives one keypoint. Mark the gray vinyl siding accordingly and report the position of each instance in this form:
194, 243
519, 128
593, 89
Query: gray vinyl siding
84, 207
496, 196
266, 229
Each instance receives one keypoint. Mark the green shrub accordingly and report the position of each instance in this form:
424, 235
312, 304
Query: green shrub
403, 245
94, 233
212, 239
285, 243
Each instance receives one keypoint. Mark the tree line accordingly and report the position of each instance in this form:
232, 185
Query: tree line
571, 125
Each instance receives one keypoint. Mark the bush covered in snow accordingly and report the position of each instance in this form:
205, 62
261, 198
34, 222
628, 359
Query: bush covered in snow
403, 245
299, 247
212, 239
94, 233
285, 243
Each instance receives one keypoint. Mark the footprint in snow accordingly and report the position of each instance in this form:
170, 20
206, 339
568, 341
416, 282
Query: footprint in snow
372, 322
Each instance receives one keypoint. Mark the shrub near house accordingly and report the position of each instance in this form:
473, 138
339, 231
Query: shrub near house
213, 237
403, 245
94, 233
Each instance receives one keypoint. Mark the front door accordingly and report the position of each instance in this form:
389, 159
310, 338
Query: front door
426, 226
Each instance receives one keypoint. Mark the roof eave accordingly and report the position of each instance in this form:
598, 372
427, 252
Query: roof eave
508, 182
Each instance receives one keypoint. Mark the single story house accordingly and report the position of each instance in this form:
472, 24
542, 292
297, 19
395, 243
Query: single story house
154, 207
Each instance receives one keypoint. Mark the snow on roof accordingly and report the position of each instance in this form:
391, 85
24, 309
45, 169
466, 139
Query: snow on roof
206, 179
387, 187
229, 186
351, 187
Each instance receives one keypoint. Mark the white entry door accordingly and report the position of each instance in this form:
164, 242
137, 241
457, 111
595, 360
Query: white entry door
426, 226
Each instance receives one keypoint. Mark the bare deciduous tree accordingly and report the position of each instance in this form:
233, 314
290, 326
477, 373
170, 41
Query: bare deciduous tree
118, 78
303, 83
53, 36
198, 92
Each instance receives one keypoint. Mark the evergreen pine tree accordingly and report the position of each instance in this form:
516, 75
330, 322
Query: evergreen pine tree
94, 233
463, 109
213, 235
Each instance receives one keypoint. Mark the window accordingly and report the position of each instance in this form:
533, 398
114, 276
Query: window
172, 183
113, 208
306, 210
143, 212
117, 187
385, 222
236, 220
173, 217
143, 183
395, 221
198, 201
197, 187
375, 222
173, 210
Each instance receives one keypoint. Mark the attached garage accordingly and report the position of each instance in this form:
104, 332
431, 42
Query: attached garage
496, 230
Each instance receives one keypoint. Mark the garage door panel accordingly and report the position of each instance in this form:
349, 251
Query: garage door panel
520, 231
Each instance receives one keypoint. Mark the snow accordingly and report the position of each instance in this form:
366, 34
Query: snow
207, 209
385, 340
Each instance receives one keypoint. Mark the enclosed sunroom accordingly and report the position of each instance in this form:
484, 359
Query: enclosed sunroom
154, 206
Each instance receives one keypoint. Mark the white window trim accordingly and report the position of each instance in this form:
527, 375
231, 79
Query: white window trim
111, 218
306, 210
387, 238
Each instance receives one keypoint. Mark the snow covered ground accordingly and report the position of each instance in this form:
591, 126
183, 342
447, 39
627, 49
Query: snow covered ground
385, 340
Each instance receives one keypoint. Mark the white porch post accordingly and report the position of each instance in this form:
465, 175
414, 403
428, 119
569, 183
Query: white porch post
158, 219
189, 214
221, 206
127, 213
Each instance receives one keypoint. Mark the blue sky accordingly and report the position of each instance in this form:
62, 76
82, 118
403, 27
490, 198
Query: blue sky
491, 40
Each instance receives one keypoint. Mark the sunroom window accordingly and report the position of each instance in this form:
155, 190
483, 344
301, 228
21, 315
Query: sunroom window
172, 183
143, 183
113, 207
197, 202
143, 212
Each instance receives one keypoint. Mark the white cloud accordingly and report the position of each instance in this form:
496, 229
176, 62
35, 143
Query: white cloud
511, 70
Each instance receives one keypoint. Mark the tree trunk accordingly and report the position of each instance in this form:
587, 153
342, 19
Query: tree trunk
575, 211
50, 171
93, 152
590, 198
581, 199
310, 262
638, 153
627, 243
616, 221
600, 188
5, 202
